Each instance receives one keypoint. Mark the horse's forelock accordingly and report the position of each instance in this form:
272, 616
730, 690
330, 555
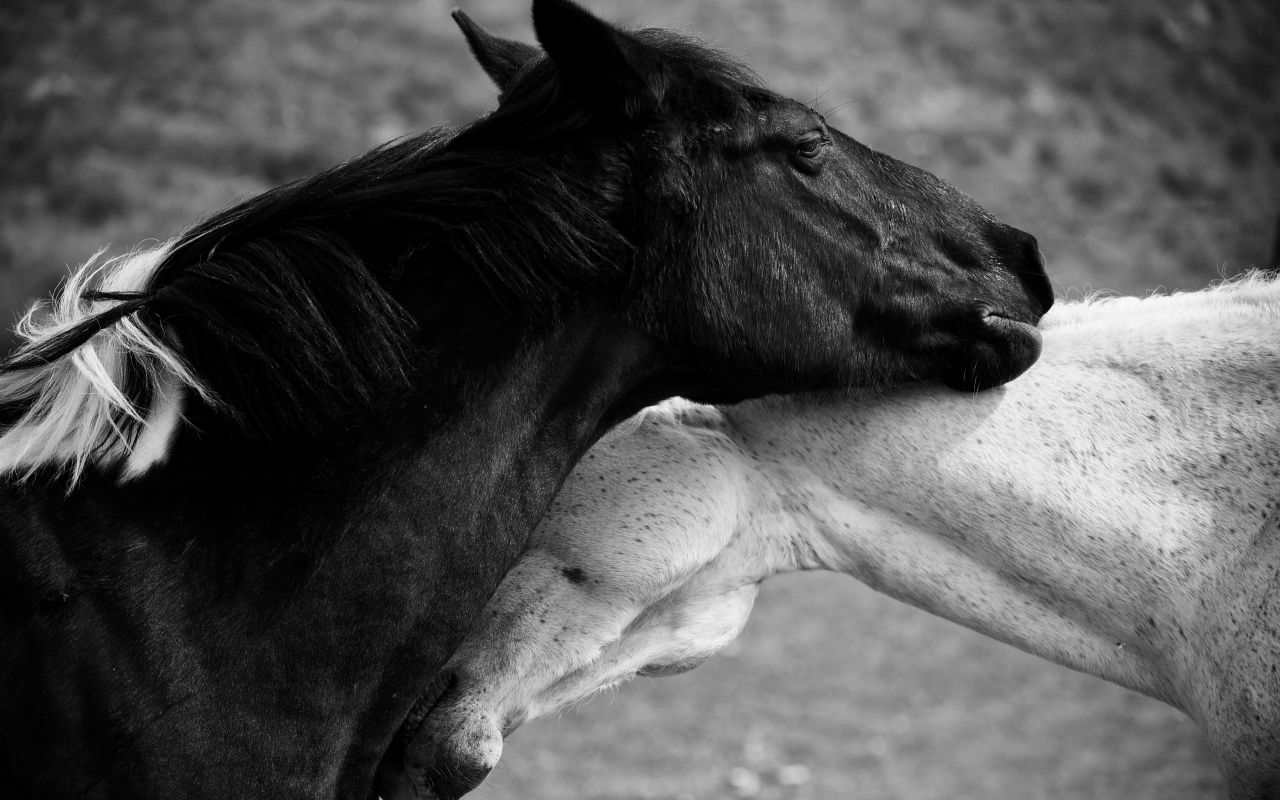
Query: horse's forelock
706, 91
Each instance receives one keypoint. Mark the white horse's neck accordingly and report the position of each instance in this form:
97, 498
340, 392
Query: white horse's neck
1112, 510
1078, 513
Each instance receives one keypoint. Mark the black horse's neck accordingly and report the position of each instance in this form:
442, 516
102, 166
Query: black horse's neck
360, 560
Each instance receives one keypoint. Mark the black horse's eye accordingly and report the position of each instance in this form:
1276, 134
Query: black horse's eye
811, 144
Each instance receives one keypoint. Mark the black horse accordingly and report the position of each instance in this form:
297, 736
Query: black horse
260, 481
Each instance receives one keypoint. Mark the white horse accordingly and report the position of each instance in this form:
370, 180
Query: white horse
1114, 510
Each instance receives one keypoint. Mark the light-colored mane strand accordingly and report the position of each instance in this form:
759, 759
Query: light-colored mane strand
77, 409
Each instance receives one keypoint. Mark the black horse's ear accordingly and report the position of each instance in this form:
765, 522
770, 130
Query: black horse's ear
501, 58
606, 68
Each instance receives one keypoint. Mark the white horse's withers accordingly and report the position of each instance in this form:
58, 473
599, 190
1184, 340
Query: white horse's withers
1114, 510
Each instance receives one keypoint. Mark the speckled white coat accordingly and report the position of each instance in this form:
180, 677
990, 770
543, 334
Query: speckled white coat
1114, 510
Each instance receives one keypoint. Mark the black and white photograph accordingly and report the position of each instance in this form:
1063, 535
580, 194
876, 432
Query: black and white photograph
640, 399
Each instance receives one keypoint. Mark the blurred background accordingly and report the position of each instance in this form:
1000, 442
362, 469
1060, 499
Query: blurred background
1140, 141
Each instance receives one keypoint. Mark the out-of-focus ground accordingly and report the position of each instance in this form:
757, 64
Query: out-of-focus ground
847, 695
1140, 141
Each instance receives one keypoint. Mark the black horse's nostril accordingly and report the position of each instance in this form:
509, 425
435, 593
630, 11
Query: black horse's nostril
1027, 263
1034, 278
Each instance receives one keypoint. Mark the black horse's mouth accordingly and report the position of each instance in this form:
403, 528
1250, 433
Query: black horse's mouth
994, 351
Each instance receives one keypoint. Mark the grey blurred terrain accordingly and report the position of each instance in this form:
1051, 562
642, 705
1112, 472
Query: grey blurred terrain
1140, 141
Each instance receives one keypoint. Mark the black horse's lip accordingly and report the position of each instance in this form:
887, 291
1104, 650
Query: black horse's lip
1008, 326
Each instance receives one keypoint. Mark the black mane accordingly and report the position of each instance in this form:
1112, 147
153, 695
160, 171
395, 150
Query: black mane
285, 305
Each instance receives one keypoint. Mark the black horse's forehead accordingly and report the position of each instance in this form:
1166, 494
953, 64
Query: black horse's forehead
771, 117
782, 115
761, 118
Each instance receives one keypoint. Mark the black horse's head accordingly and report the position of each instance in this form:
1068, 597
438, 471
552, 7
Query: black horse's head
769, 251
